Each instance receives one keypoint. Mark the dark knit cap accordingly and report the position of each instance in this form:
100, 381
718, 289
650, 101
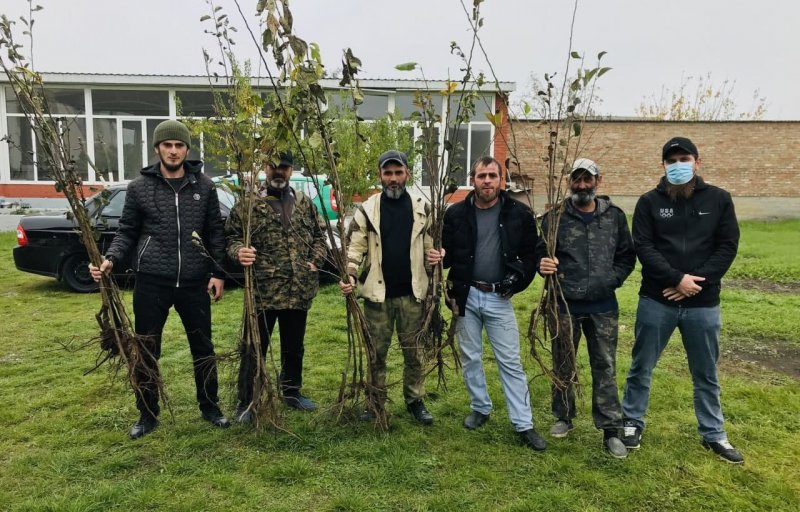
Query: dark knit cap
172, 130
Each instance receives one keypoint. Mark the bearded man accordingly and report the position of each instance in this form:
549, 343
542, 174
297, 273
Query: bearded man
686, 237
593, 257
287, 247
388, 238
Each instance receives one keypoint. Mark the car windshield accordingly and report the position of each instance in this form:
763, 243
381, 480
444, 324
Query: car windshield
226, 197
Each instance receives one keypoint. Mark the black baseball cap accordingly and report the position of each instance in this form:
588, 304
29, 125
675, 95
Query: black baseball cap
681, 143
392, 156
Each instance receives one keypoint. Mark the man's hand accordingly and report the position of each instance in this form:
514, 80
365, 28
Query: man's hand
105, 268
216, 288
347, 288
435, 256
246, 256
688, 285
672, 294
548, 266
312, 267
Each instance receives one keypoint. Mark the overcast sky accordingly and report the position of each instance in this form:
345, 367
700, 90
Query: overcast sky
650, 43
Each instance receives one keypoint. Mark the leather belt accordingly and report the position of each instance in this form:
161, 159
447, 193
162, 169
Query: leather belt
484, 286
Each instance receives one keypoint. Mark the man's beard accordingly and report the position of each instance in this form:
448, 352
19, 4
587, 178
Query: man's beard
278, 184
172, 167
394, 192
583, 197
684, 191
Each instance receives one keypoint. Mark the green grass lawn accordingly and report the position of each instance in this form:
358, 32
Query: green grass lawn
64, 445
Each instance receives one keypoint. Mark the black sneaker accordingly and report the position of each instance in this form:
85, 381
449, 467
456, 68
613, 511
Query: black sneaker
475, 420
631, 435
216, 418
243, 415
142, 427
532, 439
420, 413
300, 402
725, 450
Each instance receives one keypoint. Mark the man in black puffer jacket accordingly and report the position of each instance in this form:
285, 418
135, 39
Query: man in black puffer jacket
489, 242
164, 207
686, 237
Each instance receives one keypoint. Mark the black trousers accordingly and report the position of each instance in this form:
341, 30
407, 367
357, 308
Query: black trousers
151, 304
292, 324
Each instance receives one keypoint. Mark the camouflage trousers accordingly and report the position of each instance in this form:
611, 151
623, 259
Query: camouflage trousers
601, 331
403, 314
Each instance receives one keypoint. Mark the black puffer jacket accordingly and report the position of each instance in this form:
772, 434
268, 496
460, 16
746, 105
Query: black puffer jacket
698, 236
593, 259
159, 224
517, 236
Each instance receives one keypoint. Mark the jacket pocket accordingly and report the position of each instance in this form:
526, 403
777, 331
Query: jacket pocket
141, 252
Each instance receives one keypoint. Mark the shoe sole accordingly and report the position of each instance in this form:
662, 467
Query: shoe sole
629, 447
561, 435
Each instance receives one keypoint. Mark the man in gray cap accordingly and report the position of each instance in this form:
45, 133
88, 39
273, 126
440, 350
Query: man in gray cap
686, 237
389, 236
593, 256
169, 202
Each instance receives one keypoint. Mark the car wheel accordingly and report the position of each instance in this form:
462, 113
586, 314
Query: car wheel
75, 273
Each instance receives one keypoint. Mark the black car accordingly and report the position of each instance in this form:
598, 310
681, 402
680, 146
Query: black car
50, 245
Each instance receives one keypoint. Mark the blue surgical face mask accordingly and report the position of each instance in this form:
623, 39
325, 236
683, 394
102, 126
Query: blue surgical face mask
680, 172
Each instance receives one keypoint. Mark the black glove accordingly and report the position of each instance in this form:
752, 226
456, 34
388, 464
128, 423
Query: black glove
505, 287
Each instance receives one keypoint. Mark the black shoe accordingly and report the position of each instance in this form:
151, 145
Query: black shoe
475, 420
725, 450
217, 419
243, 415
300, 402
631, 435
142, 427
532, 439
420, 413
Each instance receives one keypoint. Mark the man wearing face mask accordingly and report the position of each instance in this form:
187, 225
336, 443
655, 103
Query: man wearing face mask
388, 238
287, 248
593, 257
686, 237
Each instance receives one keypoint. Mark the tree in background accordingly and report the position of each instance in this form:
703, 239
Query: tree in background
701, 99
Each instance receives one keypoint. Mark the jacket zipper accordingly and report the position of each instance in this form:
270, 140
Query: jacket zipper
141, 253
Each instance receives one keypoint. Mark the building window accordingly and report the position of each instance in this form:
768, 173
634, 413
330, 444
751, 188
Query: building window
130, 103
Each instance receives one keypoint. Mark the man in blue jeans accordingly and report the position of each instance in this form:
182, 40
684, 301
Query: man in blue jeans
489, 243
686, 237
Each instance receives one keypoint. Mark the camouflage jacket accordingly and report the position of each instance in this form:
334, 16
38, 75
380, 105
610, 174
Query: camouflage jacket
283, 277
593, 259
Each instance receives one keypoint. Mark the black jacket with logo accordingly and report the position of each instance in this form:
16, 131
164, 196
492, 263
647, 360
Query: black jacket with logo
697, 236
517, 237
159, 223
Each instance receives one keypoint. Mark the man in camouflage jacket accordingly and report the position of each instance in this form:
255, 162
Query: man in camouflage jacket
287, 249
594, 255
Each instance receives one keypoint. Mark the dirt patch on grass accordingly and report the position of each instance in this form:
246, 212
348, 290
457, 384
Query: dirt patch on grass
763, 285
775, 355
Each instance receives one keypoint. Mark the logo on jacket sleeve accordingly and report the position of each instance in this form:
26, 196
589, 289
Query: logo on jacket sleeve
666, 213
196, 197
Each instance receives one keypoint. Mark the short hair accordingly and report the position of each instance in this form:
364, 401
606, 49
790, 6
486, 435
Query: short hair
485, 161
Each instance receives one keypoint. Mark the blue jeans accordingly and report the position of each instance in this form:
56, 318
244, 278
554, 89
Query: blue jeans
489, 310
699, 328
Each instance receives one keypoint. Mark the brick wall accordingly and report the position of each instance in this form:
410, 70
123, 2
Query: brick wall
747, 158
